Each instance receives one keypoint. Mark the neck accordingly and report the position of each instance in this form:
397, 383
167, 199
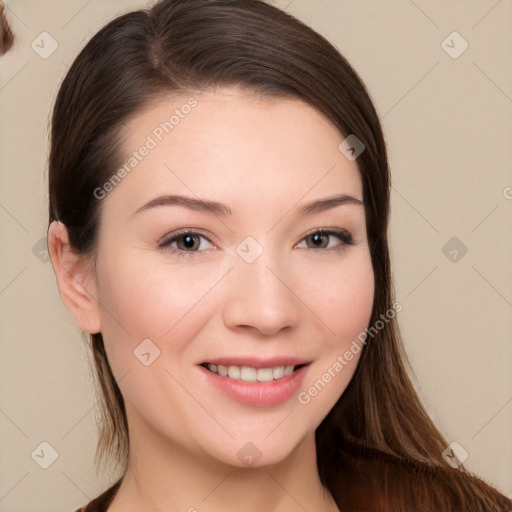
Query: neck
167, 477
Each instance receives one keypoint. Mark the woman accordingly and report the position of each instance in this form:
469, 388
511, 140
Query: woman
219, 200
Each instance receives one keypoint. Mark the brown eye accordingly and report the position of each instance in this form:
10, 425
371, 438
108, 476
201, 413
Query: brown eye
188, 242
321, 239
185, 243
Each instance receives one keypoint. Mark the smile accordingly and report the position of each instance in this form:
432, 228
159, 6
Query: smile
254, 381
252, 374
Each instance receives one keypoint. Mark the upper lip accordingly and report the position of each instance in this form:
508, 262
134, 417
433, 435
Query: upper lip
257, 361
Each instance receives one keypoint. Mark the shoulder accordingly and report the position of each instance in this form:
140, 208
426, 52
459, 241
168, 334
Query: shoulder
385, 482
101, 503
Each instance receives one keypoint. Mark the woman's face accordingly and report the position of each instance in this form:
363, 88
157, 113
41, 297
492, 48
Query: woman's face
244, 282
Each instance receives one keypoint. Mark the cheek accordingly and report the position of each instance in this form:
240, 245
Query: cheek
352, 311
142, 298
341, 296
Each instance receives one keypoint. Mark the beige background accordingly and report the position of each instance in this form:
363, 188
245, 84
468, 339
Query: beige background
448, 127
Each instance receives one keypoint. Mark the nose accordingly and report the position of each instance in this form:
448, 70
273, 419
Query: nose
261, 297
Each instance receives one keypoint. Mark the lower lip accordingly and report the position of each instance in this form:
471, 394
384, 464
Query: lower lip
257, 394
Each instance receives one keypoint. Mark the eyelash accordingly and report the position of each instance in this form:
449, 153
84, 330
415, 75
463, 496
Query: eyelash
344, 236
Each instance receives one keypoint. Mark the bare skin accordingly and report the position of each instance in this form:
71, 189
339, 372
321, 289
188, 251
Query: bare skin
303, 296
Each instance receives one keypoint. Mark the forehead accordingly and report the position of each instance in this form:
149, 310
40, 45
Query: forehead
234, 147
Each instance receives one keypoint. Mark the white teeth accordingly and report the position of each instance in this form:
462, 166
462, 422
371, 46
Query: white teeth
265, 375
248, 374
234, 372
278, 372
251, 374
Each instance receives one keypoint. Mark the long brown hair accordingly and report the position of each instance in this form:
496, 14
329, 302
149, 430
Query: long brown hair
377, 448
6, 35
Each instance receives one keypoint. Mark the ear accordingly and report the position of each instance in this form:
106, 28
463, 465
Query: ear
75, 279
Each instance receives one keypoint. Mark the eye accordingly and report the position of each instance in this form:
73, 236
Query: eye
322, 238
187, 243
184, 243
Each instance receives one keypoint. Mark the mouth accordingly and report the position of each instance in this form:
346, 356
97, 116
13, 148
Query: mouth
254, 380
253, 374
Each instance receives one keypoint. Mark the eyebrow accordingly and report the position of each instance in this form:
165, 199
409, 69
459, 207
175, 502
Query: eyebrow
327, 203
192, 203
216, 208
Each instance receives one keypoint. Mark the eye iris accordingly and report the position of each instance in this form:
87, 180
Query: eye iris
189, 241
317, 238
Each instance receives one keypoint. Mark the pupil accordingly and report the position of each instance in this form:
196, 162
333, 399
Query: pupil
188, 241
317, 238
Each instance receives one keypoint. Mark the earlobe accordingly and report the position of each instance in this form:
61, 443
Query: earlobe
75, 279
